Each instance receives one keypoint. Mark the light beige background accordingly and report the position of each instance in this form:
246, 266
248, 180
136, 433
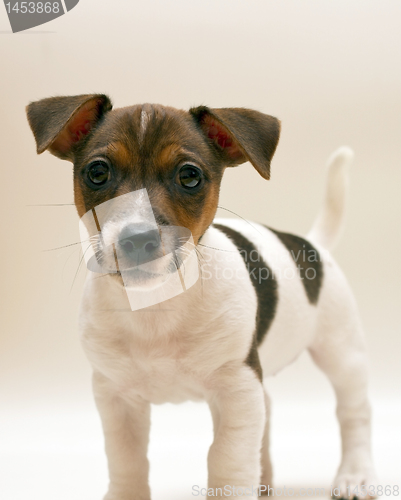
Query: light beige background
331, 72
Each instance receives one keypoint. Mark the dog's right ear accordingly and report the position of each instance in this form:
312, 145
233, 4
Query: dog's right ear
239, 135
60, 123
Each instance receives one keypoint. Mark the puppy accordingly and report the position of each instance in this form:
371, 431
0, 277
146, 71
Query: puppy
262, 296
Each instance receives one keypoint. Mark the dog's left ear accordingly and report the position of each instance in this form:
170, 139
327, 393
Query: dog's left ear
239, 135
59, 124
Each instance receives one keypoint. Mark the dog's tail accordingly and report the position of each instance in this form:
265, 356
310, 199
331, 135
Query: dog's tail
328, 225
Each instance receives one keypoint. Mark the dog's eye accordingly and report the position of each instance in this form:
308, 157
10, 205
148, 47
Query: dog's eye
190, 177
97, 174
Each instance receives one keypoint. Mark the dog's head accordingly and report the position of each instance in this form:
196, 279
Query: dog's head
177, 158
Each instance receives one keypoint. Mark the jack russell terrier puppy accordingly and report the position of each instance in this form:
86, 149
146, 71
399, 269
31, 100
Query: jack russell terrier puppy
262, 296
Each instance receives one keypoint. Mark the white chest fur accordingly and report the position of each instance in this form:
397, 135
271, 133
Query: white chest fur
168, 352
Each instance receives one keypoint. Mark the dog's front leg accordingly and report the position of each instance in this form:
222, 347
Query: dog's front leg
238, 412
126, 427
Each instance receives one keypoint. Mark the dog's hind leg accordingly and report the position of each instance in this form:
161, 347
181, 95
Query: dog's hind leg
341, 355
267, 470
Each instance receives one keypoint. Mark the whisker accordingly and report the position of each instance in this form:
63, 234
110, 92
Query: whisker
59, 248
219, 249
200, 256
199, 259
201, 262
101, 276
247, 221
69, 245
197, 251
79, 266
52, 205
176, 261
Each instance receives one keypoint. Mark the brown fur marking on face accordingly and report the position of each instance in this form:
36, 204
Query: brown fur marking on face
170, 154
195, 223
197, 219
179, 143
208, 214
146, 145
79, 199
170, 139
119, 153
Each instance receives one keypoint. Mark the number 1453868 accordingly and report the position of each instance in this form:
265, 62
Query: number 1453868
33, 7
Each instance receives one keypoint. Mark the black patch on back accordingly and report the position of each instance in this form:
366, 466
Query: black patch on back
308, 261
265, 286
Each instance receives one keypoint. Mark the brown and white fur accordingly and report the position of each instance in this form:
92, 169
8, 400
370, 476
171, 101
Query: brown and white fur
216, 341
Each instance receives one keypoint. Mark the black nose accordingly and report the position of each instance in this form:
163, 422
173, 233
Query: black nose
139, 242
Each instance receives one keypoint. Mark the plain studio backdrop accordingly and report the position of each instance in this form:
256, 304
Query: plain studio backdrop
331, 72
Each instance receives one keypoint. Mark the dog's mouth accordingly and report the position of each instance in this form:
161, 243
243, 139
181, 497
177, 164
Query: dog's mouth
140, 274
152, 259
144, 270
136, 278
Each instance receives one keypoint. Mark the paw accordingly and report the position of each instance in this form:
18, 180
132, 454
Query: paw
355, 485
